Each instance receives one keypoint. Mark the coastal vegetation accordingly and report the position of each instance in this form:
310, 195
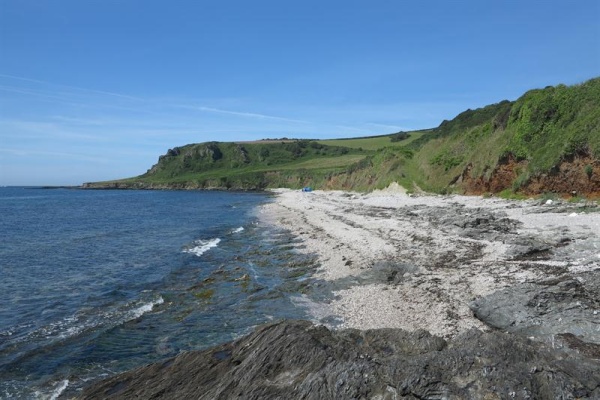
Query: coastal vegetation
548, 140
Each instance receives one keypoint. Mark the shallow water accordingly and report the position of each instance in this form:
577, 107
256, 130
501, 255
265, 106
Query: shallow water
97, 282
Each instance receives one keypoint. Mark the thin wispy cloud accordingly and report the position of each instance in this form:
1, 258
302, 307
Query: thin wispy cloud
129, 103
30, 92
344, 128
55, 154
245, 114
385, 126
81, 121
69, 99
51, 133
21, 78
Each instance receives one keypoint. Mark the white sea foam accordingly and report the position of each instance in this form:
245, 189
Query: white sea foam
72, 326
253, 270
58, 391
74, 330
138, 312
202, 246
238, 230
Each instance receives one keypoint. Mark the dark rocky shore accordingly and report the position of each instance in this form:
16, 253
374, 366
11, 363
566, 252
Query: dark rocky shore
296, 359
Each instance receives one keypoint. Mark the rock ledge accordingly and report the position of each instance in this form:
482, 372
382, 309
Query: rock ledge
296, 359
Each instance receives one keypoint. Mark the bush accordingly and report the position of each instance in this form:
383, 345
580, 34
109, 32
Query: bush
589, 170
521, 180
447, 160
397, 137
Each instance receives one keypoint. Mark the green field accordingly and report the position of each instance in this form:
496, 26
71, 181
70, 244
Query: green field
324, 163
375, 142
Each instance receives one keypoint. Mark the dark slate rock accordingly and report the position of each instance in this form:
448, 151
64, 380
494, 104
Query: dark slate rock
567, 305
297, 360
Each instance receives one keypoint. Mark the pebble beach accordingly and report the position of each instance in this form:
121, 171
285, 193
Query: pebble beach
434, 255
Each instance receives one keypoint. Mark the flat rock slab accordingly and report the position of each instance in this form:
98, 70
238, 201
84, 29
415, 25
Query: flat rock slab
296, 359
564, 305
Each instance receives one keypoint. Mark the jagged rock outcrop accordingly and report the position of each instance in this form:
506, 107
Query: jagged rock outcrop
295, 359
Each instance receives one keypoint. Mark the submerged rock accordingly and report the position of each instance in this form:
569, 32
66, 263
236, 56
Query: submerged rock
296, 359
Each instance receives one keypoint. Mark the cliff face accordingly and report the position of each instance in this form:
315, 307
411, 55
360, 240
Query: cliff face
241, 166
297, 360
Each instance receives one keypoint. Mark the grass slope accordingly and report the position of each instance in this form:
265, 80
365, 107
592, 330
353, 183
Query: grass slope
542, 127
375, 142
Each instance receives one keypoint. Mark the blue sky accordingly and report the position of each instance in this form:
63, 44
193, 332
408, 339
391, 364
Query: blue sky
96, 90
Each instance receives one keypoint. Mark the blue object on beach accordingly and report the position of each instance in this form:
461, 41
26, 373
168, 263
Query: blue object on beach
307, 189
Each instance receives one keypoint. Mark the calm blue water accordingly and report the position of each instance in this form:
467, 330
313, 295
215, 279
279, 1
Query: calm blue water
97, 282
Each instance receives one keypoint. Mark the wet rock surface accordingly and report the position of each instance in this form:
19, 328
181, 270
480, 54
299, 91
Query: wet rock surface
296, 359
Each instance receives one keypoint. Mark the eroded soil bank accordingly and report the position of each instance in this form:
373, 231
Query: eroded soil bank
577, 174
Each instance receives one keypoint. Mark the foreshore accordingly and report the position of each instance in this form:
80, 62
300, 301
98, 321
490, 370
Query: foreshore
447, 264
494, 299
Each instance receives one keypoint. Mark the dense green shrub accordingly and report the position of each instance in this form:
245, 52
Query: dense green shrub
398, 137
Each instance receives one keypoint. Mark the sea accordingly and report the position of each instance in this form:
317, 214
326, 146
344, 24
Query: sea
96, 282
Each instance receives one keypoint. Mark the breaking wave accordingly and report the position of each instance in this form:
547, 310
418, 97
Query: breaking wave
202, 246
81, 322
58, 391
138, 312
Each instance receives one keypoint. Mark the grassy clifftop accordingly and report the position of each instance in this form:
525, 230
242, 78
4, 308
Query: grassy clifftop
547, 140
245, 166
